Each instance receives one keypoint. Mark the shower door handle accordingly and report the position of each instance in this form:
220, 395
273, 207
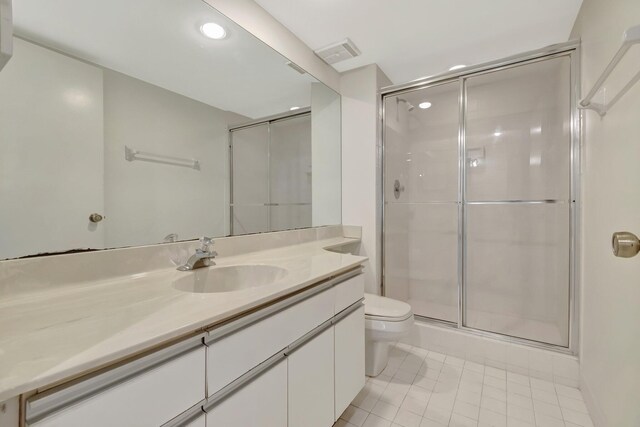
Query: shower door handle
397, 189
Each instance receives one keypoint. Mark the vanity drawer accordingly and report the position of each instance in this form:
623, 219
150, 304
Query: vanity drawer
349, 292
147, 392
235, 353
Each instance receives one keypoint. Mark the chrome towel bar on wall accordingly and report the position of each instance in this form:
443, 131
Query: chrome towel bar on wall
630, 38
131, 155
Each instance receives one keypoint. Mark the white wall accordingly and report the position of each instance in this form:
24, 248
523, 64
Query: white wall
360, 168
51, 174
253, 18
610, 349
326, 153
146, 201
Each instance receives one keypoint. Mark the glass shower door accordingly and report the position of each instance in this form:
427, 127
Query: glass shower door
421, 200
290, 173
271, 175
250, 175
517, 201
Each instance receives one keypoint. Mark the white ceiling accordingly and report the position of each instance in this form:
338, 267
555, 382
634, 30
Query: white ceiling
410, 39
159, 41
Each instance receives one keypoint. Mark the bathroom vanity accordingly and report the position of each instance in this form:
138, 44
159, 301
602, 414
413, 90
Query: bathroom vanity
285, 353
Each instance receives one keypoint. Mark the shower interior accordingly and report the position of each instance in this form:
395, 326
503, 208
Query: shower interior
479, 205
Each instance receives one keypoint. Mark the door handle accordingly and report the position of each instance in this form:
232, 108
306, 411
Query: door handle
397, 189
625, 244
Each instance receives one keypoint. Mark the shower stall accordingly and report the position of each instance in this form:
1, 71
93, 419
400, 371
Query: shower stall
479, 197
271, 174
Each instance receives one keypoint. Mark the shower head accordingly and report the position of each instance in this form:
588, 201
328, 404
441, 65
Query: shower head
410, 106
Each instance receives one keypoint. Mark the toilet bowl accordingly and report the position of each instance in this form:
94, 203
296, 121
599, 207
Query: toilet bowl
386, 321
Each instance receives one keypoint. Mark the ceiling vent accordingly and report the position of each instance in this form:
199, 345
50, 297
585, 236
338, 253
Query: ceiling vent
337, 52
298, 68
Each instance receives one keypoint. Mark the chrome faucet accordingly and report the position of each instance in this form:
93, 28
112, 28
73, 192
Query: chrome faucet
202, 258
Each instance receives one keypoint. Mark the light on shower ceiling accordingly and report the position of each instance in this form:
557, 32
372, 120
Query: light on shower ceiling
457, 67
294, 108
424, 105
213, 31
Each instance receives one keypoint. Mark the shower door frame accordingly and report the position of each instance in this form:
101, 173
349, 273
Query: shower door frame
569, 49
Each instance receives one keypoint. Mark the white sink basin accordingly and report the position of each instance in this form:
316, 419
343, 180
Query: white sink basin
229, 278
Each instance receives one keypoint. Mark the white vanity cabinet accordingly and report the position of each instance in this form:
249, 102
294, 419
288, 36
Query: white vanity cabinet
319, 339
241, 345
147, 392
297, 362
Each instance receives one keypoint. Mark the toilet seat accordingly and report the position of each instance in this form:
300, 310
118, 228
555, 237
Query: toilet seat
385, 309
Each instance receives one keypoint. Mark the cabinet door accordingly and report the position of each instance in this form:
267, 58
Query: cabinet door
349, 359
149, 398
311, 383
262, 402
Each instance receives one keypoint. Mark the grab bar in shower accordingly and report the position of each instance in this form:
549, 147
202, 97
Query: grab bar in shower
130, 155
630, 38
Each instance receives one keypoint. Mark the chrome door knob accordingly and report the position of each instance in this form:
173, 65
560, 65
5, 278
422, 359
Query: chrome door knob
625, 244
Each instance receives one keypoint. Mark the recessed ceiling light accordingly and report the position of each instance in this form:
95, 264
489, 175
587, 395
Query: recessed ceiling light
457, 67
424, 105
213, 31
294, 108
497, 133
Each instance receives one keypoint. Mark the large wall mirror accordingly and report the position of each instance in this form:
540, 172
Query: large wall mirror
133, 123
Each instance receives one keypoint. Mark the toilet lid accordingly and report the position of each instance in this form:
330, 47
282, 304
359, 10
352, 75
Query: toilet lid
386, 308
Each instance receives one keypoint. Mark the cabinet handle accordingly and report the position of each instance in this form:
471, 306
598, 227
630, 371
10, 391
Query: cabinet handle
308, 337
347, 311
242, 381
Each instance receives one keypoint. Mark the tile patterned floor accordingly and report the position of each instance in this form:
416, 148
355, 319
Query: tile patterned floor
420, 388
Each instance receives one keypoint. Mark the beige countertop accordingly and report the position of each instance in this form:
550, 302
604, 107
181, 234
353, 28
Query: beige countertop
50, 335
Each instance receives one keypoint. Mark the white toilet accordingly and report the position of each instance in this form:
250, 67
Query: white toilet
386, 321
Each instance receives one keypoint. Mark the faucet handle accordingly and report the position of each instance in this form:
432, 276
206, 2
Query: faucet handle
206, 242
